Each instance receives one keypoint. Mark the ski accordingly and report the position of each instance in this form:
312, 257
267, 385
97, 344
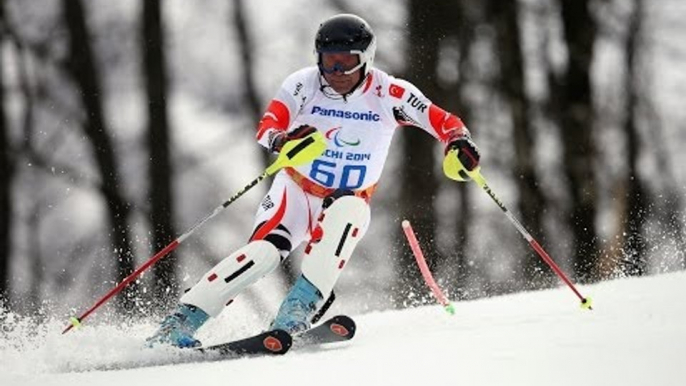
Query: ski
340, 328
274, 342
269, 343
278, 342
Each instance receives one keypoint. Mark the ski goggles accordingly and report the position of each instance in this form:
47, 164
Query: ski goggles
344, 62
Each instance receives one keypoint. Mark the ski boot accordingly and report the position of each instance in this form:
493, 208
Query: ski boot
178, 328
298, 307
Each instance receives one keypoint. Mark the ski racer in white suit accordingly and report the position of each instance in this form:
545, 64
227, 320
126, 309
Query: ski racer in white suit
358, 108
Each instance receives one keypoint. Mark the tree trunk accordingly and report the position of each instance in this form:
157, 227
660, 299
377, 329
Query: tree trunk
6, 176
254, 108
252, 102
465, 16
418, 183
576, 123
83, 71
246, 47
637, 201
531, 204
160, 169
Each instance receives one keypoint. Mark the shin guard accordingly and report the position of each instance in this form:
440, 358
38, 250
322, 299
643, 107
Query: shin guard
221, 284
341, 228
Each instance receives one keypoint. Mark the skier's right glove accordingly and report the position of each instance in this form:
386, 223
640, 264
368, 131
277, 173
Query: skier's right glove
277, 141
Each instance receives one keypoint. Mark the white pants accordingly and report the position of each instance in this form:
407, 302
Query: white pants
286, 218
287, 215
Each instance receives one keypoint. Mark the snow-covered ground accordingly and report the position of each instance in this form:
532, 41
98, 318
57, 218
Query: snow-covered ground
636, 335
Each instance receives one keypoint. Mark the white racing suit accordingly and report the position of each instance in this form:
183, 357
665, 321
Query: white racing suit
358, 130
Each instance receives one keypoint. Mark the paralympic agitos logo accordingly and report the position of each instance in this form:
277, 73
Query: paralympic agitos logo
334, 134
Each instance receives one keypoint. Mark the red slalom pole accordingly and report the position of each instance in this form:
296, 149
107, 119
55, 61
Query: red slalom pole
424, 268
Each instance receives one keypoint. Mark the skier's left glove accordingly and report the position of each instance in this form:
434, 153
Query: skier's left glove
276, 143
467, 152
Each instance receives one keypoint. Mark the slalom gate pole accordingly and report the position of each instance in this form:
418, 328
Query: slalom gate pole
294, 153
424, 268
453, 169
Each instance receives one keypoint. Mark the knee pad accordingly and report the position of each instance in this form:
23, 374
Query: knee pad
341, 227
226, 280
280, 237
338, 193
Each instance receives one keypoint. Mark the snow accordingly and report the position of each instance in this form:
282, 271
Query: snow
634, 336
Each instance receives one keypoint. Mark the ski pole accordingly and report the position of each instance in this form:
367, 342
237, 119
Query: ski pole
294, 153
424, 268
452, 167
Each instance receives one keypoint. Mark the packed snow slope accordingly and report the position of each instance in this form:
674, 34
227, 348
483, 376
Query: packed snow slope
636, 335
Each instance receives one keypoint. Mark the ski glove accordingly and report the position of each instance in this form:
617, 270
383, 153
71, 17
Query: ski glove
467, 152
276, 143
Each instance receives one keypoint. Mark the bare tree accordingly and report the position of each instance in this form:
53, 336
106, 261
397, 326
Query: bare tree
33, 240
636, 193
418, 182
452, 265
254, 107
83, 70
253, 102
160, 167
6, 177
575, 117
670, 208
511, 82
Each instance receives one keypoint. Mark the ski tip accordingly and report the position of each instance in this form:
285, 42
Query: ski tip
273, 342
277, 342
343, 326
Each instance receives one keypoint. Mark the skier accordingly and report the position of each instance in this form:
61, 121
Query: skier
358, 108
